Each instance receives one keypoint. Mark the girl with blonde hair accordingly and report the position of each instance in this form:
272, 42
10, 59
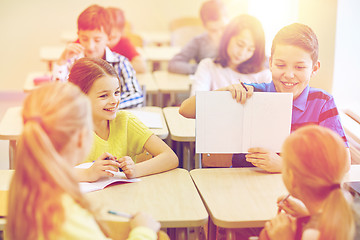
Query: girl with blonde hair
44, 197
314, 165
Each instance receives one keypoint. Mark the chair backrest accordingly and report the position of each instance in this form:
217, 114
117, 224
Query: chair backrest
184, 29
135, 39
216, 160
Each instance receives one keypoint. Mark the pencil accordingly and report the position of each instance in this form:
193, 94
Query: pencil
121, 214
242, 84
282, 201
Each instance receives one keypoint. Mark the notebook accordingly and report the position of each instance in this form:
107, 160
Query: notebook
226, 126
104, 182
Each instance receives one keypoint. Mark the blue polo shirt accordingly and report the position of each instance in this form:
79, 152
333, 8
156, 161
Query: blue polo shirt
312, 106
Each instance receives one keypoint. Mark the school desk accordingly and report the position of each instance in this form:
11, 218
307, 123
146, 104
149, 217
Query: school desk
158, 55
50, 54
173, 84
170, 197
242, 197
157, 38
182, 130
11, 127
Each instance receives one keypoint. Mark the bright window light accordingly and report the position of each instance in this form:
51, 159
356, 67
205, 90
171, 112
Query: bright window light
273, 14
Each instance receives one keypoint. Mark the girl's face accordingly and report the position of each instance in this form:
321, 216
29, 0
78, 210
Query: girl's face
104, 95
241, 48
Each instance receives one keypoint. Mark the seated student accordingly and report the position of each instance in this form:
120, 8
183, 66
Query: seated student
241, 57
45, 201
93, 32
213, 17
293, 62
314, 165
121, 44
118, 135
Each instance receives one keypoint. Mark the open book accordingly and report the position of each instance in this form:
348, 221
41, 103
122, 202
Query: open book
102, 183
150, 119
225, 126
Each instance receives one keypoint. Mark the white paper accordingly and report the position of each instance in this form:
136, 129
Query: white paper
150, 119
102, 183
225, 126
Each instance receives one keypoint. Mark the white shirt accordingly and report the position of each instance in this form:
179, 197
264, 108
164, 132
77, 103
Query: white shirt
211, 76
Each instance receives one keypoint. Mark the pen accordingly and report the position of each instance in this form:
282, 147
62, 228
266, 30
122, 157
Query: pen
282, 201
242, 84
108, 158
121, 214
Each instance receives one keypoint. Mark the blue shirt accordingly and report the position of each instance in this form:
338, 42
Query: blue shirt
312, 106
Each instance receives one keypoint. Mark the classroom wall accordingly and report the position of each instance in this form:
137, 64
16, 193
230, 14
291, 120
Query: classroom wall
28, 25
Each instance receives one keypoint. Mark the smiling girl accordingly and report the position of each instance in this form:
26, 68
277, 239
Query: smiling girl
241, 57
118, 135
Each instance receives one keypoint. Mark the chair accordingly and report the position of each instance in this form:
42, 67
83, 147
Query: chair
184, 29
216, 160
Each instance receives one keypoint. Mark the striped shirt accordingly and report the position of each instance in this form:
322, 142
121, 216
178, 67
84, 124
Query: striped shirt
131, 93
313, 106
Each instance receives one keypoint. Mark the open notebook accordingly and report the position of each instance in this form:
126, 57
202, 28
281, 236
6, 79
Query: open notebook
102, 183
226, 126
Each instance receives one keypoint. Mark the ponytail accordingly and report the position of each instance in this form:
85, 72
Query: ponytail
336, 221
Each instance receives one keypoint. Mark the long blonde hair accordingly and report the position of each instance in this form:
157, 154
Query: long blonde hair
317, 157
51, 115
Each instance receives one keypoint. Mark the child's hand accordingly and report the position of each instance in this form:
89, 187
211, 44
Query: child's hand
293, 206
265, 159
71, 50
128, 166
144, 220
98, 170
283, 226
238, 92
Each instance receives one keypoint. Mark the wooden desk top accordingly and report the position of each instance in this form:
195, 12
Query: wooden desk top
155, 37
239, 197
170, 197
181, 129
11, 124
160, 132
243, 197
172, 82
148, 80
159, 54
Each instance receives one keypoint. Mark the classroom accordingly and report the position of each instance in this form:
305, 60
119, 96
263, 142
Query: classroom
177, 174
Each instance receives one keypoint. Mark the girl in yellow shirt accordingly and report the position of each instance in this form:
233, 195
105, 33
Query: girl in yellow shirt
118, 135
45, 201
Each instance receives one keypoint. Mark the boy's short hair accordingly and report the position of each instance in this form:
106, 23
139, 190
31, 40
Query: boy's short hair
117, 17
94, 17
212, 10
299, 35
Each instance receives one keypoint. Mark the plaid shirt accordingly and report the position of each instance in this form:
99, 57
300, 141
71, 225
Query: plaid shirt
131, 94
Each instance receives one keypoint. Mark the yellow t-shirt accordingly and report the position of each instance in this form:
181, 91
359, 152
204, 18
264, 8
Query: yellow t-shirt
80, 224
127, 137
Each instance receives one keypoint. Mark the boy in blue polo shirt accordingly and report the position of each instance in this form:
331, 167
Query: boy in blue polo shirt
293, 62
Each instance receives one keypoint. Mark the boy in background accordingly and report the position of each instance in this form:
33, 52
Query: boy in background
93, 33
121, 44
213, 17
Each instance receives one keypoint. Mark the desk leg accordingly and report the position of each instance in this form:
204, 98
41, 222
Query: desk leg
182, 233
12, 150
186, 155
211, 230
230, 234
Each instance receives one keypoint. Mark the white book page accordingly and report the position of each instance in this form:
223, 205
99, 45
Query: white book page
150, 119
102, 183
218, 126
269, 117
225, 126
